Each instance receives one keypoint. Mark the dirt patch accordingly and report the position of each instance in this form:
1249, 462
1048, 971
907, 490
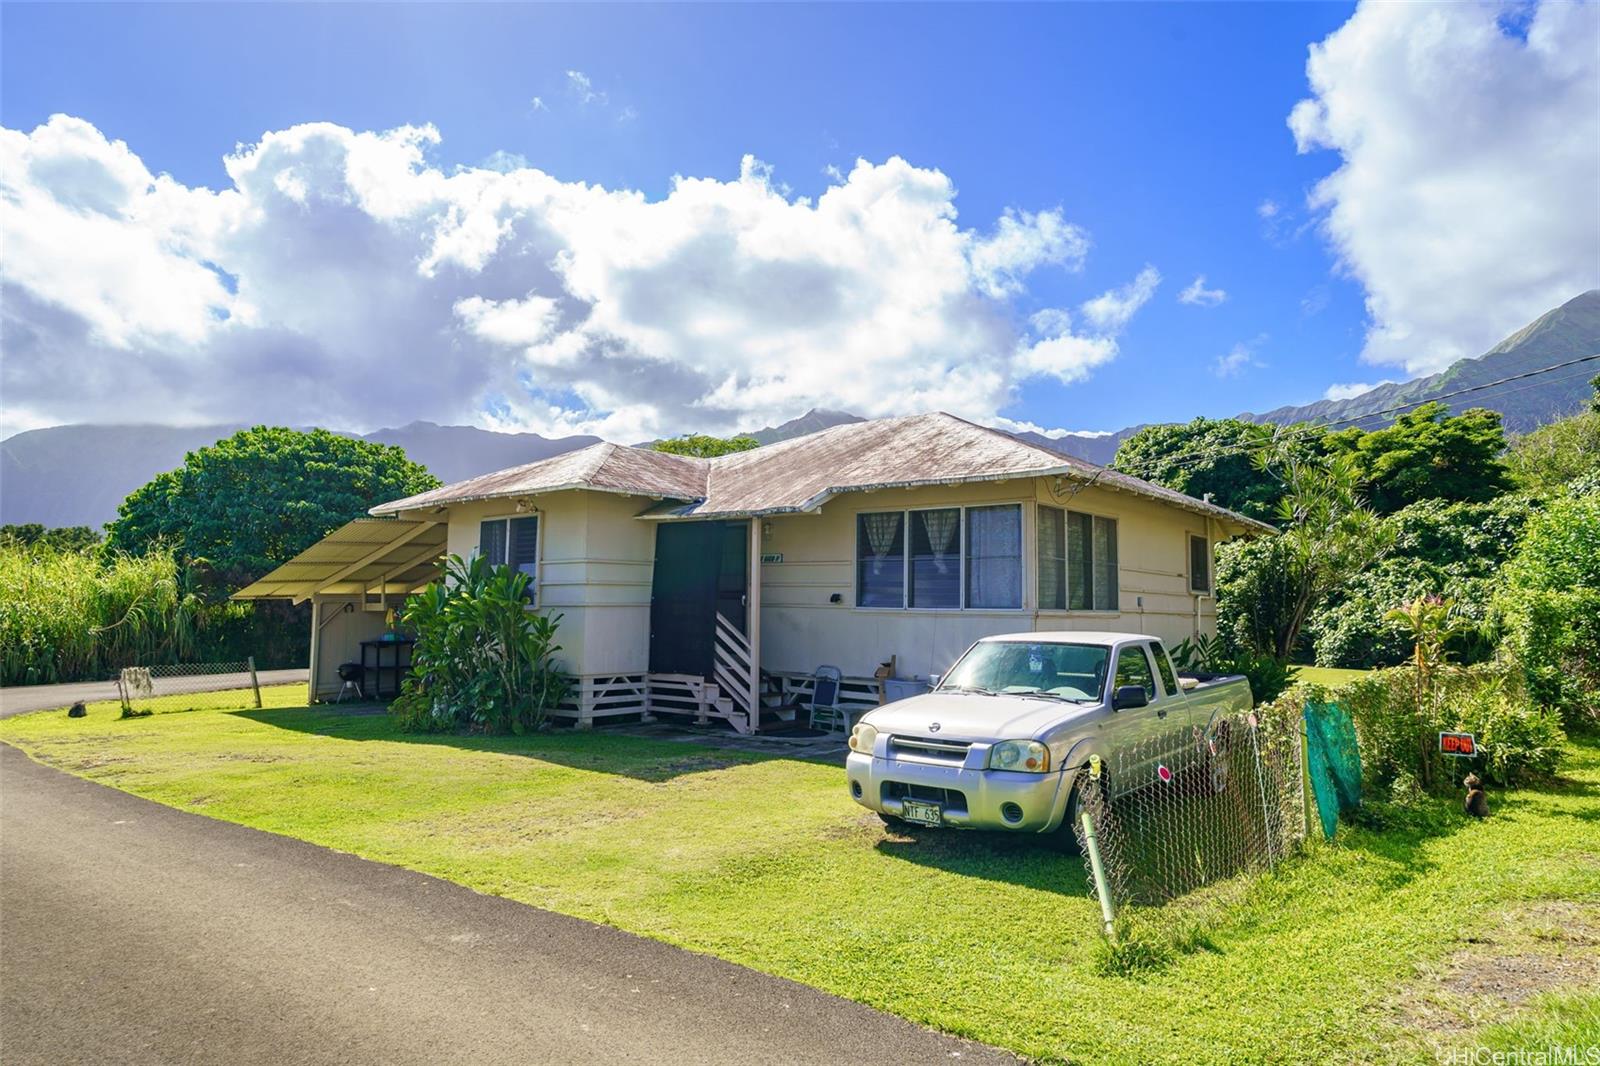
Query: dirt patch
1539, 947
694, 765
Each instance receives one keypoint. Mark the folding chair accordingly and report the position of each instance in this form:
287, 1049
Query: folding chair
825, 710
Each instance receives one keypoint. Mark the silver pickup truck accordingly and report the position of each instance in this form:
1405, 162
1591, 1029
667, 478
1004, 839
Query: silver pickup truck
999, 743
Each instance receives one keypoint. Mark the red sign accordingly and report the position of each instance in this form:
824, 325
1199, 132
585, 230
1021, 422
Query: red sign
1462, 744
1165, 773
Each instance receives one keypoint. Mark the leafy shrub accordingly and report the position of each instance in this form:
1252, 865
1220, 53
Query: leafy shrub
1549, 608
1450, 550
1550, 459
482, 659
1255, 593
1399, 734
1516, 738
1268, 675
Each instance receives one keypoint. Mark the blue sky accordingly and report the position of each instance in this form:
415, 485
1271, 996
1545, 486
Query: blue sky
1160, 131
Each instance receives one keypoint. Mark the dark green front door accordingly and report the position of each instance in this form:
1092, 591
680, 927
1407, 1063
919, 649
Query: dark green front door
700, 569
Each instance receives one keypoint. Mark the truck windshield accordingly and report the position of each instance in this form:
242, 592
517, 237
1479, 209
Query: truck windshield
1069, 671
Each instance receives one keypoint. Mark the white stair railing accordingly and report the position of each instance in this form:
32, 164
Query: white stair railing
732, 668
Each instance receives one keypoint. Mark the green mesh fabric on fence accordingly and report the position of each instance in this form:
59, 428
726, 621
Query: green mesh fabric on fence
1333, 761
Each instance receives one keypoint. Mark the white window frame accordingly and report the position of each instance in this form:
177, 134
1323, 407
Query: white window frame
961, 554
1066, 532
538, 547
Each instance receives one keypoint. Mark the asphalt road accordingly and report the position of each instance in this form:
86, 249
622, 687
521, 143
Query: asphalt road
136, 933
24, 698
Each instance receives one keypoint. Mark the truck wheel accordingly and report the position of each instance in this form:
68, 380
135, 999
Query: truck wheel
1064, 838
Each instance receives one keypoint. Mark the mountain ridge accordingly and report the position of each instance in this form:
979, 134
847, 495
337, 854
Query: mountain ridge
78, 474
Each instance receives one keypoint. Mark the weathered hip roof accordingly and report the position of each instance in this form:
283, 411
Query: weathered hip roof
801, 474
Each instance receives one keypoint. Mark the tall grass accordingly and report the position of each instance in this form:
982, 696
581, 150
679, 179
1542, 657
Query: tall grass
67, 616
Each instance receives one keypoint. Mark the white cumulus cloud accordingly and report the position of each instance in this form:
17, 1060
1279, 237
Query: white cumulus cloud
1198, 295
1239, 358
342, 277
1111, 311
1467, 200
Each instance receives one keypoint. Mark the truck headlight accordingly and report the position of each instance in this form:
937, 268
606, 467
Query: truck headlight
863, 737
1024, 756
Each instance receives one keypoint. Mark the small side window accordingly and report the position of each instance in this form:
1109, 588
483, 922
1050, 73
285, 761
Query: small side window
1169, 680
1199, 565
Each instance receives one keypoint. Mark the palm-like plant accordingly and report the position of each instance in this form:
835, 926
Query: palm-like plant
1429, 622
1330, 534
482, 657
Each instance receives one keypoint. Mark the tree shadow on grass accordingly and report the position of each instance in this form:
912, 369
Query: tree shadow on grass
1015, 858
649, 759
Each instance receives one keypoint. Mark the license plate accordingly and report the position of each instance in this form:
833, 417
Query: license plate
921, 812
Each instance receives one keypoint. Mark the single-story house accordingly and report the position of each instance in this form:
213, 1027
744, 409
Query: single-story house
677, 577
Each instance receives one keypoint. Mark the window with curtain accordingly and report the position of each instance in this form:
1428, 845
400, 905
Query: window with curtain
994, 556
1080, 572
514, 541
492, 541
936, 558
1052, 559
880, 559
1105, 564
1090, 563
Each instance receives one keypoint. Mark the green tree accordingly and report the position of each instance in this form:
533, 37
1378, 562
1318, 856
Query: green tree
1549, 604
1449, 550
704, 447
58, 538
1551, 458
1328, 537
244, 505
1208, 456
1428, 454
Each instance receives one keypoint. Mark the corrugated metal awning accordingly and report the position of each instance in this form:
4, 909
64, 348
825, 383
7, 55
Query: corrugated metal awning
366, 555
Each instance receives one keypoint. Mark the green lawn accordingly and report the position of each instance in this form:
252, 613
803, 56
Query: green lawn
1329, 676
1355, 953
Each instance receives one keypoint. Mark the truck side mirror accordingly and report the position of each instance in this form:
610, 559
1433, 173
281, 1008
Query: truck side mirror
934, 679
1129, 696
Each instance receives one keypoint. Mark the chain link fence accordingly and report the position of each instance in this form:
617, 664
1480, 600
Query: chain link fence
147, 689
1187, 807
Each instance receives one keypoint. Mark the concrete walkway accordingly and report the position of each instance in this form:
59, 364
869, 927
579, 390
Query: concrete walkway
137, 933
20, 699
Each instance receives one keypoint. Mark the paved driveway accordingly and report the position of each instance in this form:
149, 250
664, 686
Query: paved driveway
19, 699
136, 933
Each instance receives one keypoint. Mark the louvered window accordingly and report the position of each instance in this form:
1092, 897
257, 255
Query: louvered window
514, 541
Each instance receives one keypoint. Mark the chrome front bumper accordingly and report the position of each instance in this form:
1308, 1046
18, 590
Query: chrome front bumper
970, 798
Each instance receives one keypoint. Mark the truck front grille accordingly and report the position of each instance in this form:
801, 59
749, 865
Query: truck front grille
950, 752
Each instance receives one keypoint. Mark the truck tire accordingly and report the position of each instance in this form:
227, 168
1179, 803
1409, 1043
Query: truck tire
1064, 837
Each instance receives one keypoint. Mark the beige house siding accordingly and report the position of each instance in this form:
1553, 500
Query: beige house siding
596, 560
801, 628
